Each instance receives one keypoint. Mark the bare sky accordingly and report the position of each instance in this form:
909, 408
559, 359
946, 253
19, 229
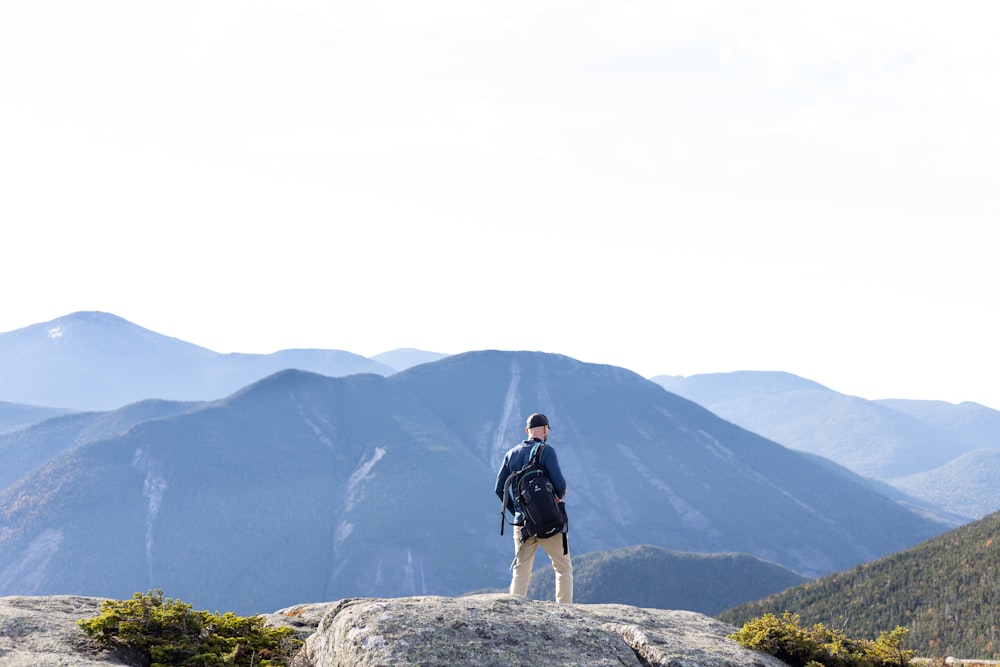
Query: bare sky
676, 188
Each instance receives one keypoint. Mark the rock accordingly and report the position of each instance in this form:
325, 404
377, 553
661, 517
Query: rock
484, 630
42, 632
504, 631
302, 618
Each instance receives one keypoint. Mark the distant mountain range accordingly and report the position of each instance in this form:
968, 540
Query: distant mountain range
943, 590
15, 415
943, 454
307, 487
405, 358
24, 450
98, 361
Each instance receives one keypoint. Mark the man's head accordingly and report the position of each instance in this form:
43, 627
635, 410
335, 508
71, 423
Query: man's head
537, 426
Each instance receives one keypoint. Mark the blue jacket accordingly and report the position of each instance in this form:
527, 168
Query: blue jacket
517, 458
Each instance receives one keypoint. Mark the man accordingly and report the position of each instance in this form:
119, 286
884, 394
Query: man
537, 430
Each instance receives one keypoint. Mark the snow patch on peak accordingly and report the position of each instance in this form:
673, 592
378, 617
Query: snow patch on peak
55, 333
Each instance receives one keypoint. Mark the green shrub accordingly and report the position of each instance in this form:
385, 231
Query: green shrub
820, 646
166, 633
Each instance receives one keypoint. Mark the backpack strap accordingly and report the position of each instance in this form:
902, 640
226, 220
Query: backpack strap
506, 496
536, 455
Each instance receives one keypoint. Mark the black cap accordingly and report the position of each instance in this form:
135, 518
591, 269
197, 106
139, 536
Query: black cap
538, 419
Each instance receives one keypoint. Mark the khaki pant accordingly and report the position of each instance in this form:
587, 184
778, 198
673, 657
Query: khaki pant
524, 559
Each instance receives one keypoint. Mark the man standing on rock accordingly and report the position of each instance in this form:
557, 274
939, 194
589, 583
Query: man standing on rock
525, 545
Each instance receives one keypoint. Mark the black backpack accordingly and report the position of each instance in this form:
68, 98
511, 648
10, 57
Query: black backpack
543, 513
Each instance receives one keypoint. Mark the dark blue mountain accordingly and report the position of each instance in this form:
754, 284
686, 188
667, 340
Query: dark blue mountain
653, 577
306, 487
37, 444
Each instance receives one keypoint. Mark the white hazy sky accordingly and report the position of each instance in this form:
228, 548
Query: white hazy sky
676, 188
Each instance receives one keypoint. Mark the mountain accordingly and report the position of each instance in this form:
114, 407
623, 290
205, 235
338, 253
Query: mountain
37, 444
14, 416
889, 440
944, 590
870, 438
924, 508
653, 577
98, 361
736, 386
315, 487
405, 358
966, 485
976, 425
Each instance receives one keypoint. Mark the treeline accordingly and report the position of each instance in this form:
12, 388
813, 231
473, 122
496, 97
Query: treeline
945, 591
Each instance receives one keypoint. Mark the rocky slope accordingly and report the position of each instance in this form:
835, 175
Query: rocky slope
42, 632
478, 630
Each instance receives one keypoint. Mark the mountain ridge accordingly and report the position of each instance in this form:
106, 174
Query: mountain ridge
921, 447
652, 576
943, 590
322, 487
91, 360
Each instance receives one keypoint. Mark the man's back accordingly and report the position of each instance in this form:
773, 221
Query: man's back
516, 458
526, 540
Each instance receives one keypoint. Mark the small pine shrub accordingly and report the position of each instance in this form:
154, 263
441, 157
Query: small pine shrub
167, 633
820, 646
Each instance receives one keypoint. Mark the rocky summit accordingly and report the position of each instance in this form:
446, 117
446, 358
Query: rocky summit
42, 632
488, 630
